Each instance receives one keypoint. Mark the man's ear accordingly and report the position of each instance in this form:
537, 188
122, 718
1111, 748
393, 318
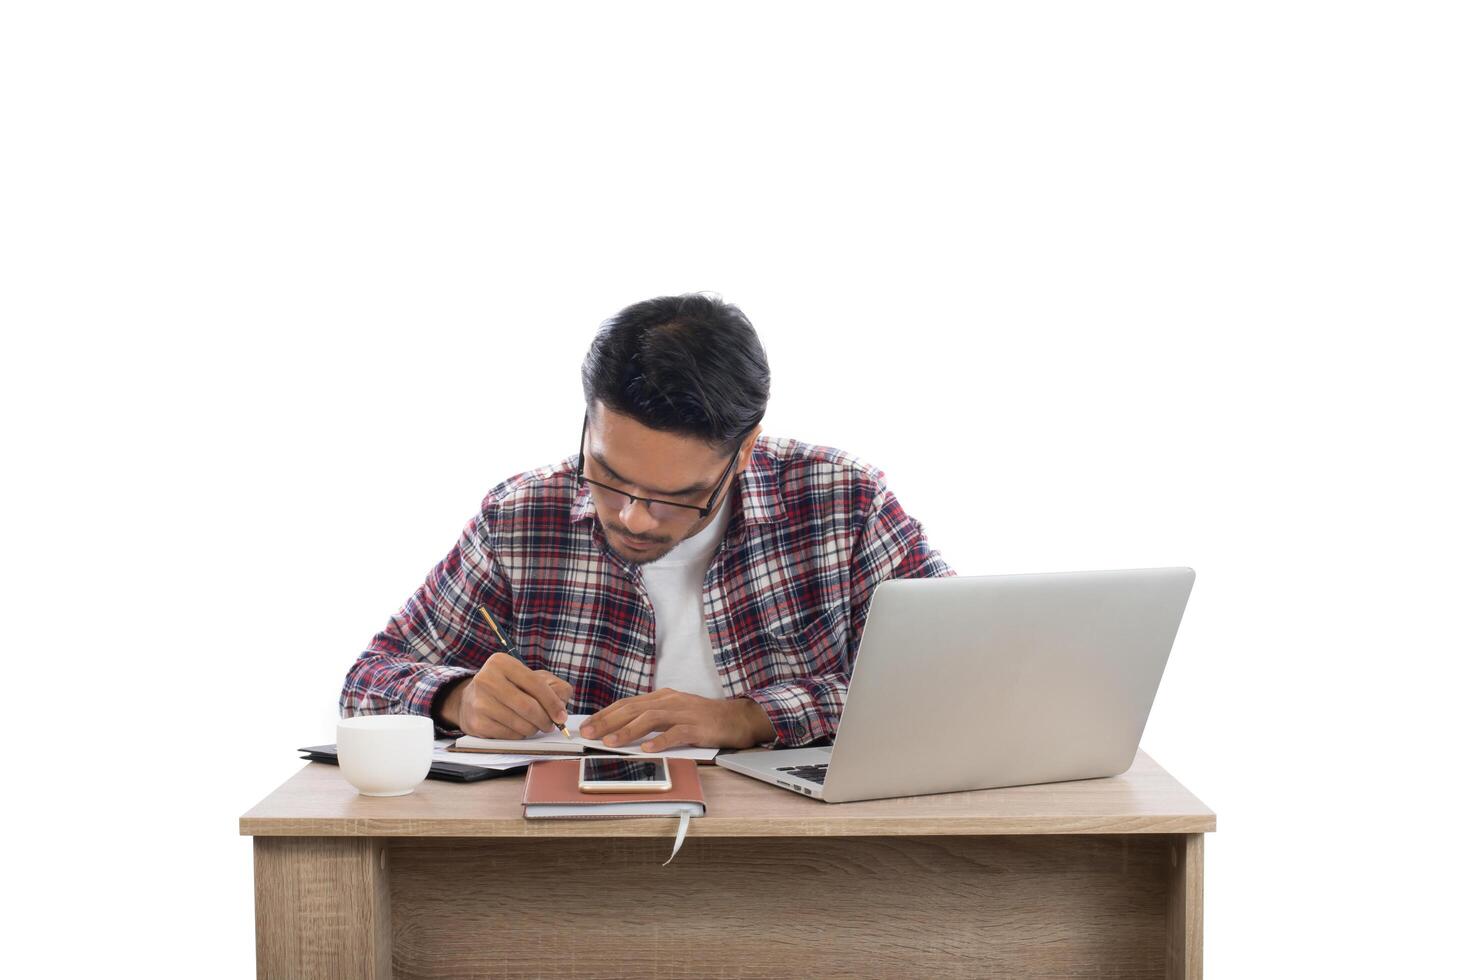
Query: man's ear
749, 449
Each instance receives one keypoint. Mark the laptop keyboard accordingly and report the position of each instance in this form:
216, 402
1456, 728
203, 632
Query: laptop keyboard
815, 774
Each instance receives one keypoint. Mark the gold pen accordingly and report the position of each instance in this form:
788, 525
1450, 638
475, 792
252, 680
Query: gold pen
511, 649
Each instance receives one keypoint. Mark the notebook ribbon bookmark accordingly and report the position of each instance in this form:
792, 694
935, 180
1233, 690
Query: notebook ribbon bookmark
683, 828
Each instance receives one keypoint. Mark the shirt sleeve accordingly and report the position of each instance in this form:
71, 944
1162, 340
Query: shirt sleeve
890, 545
438, 636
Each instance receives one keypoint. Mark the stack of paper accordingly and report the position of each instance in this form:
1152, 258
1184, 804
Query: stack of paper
485, 760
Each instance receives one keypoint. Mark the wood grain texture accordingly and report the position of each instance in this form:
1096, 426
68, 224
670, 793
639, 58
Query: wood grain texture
1186, 907
930, 907
321, 909
318, 802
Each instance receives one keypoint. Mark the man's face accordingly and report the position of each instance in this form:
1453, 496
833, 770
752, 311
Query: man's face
622, 453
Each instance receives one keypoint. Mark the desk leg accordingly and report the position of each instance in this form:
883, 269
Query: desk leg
321, 908
1186, 907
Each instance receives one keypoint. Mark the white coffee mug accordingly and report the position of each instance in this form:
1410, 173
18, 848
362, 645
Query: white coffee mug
385, 755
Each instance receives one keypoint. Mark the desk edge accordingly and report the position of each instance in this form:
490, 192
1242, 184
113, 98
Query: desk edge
714, 826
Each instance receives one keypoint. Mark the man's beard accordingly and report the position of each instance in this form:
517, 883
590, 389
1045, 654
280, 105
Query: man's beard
662, 548
659, 549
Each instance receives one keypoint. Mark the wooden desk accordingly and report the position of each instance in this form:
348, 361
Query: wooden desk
1096, 878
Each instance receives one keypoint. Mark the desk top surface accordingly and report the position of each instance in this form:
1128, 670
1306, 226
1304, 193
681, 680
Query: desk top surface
318, 802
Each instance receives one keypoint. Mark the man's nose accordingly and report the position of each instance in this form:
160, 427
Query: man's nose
635, 517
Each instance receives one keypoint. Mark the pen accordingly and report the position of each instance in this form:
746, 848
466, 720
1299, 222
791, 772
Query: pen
511, 649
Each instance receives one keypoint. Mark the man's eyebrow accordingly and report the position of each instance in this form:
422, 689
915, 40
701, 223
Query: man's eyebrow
696, 488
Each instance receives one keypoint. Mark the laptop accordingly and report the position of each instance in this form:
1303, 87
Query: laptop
973, 682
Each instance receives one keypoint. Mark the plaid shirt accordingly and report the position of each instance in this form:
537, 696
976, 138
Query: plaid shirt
812, 531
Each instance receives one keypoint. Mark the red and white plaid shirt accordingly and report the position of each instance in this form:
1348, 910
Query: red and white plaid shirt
812, 531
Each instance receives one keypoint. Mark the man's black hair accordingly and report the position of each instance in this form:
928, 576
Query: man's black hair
688, 364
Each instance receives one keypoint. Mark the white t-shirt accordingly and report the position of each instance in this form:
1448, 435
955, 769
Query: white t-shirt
675, 583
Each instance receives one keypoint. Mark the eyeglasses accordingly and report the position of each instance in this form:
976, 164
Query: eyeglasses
662, 511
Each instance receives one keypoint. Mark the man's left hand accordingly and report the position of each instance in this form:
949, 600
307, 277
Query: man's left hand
683, 719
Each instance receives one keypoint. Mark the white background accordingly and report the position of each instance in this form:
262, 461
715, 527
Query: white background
288, 286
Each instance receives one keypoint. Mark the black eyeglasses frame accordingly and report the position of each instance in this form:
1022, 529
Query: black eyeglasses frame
704, 511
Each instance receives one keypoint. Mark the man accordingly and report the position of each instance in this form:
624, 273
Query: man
679, 574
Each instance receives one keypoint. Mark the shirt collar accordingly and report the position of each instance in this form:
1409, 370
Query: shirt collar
758, 489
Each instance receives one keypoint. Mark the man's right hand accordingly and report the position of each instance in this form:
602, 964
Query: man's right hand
507, 699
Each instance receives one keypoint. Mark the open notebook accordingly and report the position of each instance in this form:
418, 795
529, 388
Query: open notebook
554, 743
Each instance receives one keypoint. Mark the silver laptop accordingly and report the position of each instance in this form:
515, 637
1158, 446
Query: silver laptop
996, 680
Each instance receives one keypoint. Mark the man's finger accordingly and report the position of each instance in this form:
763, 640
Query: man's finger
614, 716
553, 704
492, 729
482, 725
494, 686
502, 714
637, 727
559, 687
674, 737
532, 684
528, 708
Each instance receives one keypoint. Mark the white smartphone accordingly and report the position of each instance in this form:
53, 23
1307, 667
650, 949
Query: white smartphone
607, 774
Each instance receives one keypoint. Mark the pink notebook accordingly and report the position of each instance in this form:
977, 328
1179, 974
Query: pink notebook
551, 791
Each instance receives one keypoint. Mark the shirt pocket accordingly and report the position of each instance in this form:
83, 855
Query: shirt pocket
817, 646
